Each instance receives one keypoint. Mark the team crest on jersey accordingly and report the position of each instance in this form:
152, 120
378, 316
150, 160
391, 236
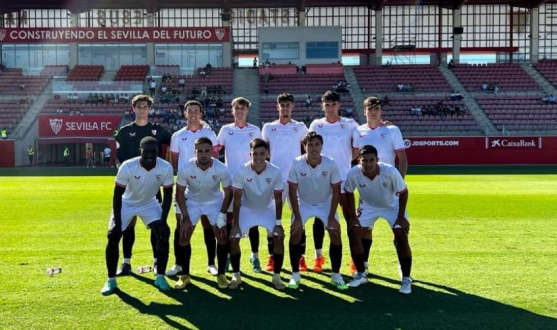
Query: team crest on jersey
383, 135
268, 180
250, 134
385, 184
137, 177
324, 173
342, 126
154, 131
159, 177
296, 129
215, 177
2, 34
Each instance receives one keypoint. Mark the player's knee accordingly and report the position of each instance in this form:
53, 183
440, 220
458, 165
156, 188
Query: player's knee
113, 238
335, 237
235, 246
355, 233
401, 238
296, 238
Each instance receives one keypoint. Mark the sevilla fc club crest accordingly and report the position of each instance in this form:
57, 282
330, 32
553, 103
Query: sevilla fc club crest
268, 180
159, 177
215, 177
342, 126
220, 33
324, 173
2, 34
250, 134
154, 131
56, 125
383, 135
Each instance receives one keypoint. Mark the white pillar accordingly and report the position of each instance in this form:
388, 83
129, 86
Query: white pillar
73, 45
227, 51
457, 38
534, 35
301, 18
378, 37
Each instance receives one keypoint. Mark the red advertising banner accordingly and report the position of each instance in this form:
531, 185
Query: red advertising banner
92, 35
77, 126
481, 150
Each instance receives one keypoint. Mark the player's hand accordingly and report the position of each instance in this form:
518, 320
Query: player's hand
186, 229
278, 231
354, 224
333, 224
296, 226
221, 220
401, 222
235, 233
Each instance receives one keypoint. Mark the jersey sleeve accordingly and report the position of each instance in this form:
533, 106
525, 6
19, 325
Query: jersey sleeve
168, 180
120, 146
356, 138
264, 132
293, 173
181, 178
398, 142
279, 186
123, 176
238, 182
220, 137
335, 174
174, 145
225, 179
350, 184
397, 181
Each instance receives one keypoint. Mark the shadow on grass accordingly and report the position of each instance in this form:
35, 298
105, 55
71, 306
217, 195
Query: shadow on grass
375, 305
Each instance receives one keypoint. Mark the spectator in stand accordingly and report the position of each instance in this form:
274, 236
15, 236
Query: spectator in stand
181, 83
484, 87
451, 64
400, 87
456, 96
308, 101
255, 62
416, 111
385, 101
349, 112
152, 87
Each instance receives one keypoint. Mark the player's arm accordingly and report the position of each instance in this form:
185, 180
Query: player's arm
332, 223
228, 193
401, 220
174, 158
166, 202
235, 232
278, 230
402, 162
121, 144
355, 153
181, 199
293, 197
117, 206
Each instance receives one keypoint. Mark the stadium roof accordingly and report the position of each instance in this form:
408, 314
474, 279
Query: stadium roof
77, 6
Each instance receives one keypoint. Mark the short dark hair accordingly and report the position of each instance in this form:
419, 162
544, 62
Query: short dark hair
368, 149
142, 97
193, 102
310, 136
372, 101
258, 143
330, 96
242, 101
203, 140
285, 97
148, 140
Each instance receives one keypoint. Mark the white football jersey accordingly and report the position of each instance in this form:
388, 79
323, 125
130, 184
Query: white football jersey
258, 189
284, 142
236, 143
182, 143
382, 192
386, 139
203, 186
141, 185
314, 184
337, 140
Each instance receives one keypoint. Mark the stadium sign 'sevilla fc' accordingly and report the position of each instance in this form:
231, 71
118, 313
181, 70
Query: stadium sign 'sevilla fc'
63, 35
83, 126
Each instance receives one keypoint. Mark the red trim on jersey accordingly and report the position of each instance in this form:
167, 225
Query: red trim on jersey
336, 184
279, 190
179, 185
290, 182
402, 192
333, 122
237, 189
246, 125
373, 129
398, 150
121, 185
168, 186
227, 188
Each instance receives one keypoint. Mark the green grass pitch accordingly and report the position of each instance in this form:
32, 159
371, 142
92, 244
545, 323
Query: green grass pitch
484, 251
